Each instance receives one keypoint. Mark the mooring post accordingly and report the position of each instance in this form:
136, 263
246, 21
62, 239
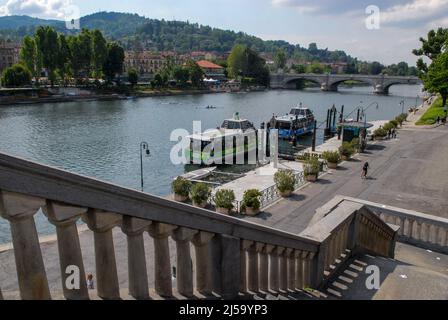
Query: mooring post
314, 135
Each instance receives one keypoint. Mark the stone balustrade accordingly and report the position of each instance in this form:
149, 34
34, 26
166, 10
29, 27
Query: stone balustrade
416, 228
231, 256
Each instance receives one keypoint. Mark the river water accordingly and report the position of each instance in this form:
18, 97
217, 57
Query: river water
102, 139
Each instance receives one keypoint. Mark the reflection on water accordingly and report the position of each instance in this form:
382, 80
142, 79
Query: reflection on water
101, 139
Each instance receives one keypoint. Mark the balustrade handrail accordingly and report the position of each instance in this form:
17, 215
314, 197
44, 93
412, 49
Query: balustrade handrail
34, 179
402, 213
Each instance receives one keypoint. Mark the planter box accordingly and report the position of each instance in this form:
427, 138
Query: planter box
252, 212
223, 210
285, 194
311, 178
200, 205
332, 165
179, 198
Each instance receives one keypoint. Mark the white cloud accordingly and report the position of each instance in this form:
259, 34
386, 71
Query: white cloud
424, 10
55, 9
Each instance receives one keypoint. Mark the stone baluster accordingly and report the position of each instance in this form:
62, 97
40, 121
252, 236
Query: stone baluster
201, 242
183, 236
399, 221
264, 267
19, 211
1, 295
283, 274
307, 266
253, 268
441, 233
445, 243
162, 264
137, 270
245, 246
273, 268
291, 269
102, 223
418, 230
64, 217
407, 230
299, 269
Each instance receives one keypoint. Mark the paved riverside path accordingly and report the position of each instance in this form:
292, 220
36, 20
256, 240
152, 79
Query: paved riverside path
409, 172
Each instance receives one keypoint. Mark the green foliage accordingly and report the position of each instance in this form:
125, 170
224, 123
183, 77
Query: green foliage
114, 61
285, 180
388, 126
431, 47
280, 59
99, 52
132, 77
312, 167
332, 156
246, 63
430, 116
195, 72
346, 149
299, 68
16, 76
224, 198
46, 39
435, 80
200, 192
28, 54
380, 133
251, 199
394, 123
316, 68
401, 118
181, 186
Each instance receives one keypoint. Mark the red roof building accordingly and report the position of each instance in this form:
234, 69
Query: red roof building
211, 69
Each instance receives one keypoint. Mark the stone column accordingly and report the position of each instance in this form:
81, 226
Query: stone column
299, 269
291, 269
162, 264
19, 211
264, 269
245, 245
64, 217
273, 268
1, 296
102, 223
253, 268
283, 274
137, 271
201, 242
183, 236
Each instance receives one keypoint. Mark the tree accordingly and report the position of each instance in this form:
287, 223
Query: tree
181, 75
375, 68
431, 47
237, 61
299, 68
76, 60
99, 52
46, 39
114, 61
16, 76
64, 57
280, 59
195, 72
28, 55
316, 68
85, 52
436, 78
132, 77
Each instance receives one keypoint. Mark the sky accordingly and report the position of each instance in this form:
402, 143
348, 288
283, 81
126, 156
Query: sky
372, 30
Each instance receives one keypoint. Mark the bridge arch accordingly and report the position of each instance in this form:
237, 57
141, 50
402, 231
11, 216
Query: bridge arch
288, 82
333, 85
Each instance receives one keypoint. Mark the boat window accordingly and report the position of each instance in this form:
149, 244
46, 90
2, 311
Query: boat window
233, 125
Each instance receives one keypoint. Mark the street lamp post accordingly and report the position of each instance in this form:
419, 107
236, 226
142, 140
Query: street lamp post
144, 148
402, 106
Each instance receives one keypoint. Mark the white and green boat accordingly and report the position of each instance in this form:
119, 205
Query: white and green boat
232, 143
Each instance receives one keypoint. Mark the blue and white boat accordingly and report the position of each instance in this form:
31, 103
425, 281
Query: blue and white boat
298, 122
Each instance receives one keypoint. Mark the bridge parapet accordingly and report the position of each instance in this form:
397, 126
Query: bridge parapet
330, 82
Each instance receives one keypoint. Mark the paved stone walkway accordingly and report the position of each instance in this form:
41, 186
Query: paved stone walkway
408, 172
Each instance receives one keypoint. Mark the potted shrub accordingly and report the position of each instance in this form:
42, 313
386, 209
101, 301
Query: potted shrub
285, 181
224, 199
251, 202
333, 158
356, 145
200, 192
380, 133
346, 150
312, 169
181, 188
394, 123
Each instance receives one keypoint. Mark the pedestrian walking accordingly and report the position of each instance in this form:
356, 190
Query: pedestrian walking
365, 170
90, 284
438, 119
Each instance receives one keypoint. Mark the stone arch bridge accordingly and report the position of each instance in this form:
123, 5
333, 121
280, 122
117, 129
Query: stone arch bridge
330, 82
